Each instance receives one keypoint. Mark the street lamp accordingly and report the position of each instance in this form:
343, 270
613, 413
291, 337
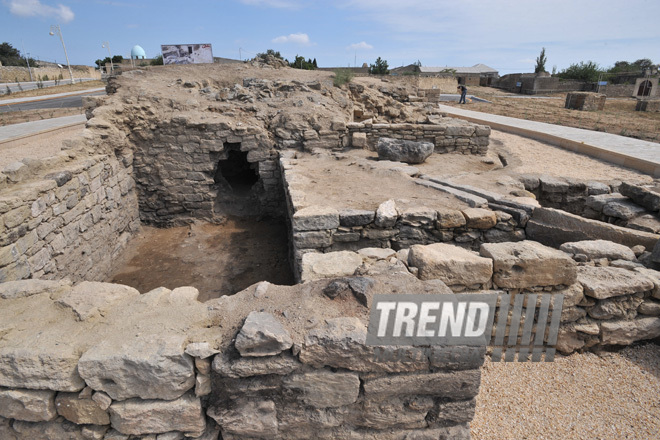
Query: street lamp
55, 29
107, 45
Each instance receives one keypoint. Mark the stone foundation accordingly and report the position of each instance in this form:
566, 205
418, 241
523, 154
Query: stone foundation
648, 105
585, 101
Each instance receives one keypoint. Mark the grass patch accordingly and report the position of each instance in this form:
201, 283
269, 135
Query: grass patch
342, 76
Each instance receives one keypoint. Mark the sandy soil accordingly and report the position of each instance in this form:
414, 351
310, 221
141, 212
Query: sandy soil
582, 396
36, 147
618, 117
216, 259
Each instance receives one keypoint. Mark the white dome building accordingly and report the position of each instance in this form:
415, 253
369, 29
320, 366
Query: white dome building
137, 53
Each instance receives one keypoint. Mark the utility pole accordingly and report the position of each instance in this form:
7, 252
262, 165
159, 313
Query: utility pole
55, 29
107, 45
240, 55
27, 59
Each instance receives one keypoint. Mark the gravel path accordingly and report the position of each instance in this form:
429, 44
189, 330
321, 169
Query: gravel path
582, 396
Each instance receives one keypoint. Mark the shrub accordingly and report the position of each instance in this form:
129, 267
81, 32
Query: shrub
342, 76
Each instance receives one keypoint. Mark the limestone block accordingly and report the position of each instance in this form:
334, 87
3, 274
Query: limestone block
623, 209
91, 299
54, 429
341, 343
359, 140
315, 218
102, 400
418, 216
262, 335
148, 366
325, 389
202, 385
386, 214
450, 218
356, 217
34, 366
654, 276
573, 295
27, 405
528, 264
25, 288
649, 307
312, 239
647, 197
606, 282
248, 367
247, 419
403, 150
627, 332
595, 249
399, 413
568, 340
81, 411
184, 295
455, 385
137, 417
113, 434
452, 265
329, 265
376, 253
479, 218
201, 350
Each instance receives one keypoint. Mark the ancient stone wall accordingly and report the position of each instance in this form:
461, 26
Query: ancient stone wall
585, 101
129, 365
21, 74
65, 217
203, 170
648, 105
448, 136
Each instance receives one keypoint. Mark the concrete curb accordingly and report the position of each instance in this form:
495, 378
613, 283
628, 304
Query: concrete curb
614, 157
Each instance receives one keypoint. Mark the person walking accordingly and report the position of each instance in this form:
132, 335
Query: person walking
463, 91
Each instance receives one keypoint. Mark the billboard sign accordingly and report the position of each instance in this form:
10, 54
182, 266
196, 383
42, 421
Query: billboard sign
186, 53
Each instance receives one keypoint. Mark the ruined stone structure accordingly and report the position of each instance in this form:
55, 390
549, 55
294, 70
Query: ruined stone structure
82, 359
585, 101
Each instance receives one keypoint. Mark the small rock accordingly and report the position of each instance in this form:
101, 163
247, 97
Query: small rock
262, 335
404, 151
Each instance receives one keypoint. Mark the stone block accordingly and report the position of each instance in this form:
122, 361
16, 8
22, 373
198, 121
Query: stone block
607, 282
418, 216
27, 405
627, 332
455, 385
386, 214
528, 264
452, 265
262, 335
596, 249
139, 417
450, 218
148, 367
359, 140
403, 150
92, 299
315, 218
249, 367
479, 218
355, 217
80, 410
25, 288
325, 389
329, 265
247, 419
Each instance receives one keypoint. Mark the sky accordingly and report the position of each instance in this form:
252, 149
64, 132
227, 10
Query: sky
504, 34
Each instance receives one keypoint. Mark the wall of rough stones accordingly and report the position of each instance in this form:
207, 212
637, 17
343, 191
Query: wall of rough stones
162, 365
176, 171
448, 136
586, 101
65, 216
14, 73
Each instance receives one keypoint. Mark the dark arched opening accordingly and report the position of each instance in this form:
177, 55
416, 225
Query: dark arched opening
644, 88
236, 170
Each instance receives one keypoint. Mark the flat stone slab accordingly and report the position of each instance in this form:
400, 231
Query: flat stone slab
479, 218
262, 335
403, 150
528, 264
27, 405
606, 282
627, 332
329, 265
90, 299
452, 265
595, 249
325, 389
315, 218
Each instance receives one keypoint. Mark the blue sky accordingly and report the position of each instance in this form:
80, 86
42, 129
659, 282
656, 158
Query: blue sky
504, 34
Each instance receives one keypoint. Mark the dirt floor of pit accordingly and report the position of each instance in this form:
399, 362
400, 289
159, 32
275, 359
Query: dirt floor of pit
216, 259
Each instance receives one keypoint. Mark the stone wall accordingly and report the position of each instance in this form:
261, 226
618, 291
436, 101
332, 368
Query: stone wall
448, 136
179, 174
21, 74
585, 101
324, 229
65, 217
648, 105
136, 366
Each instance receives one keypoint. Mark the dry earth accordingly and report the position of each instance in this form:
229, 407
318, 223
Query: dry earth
36, 147
618, 117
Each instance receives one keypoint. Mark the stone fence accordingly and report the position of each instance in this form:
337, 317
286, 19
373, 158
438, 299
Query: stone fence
71, 220
451, 136
270, 362
21, 74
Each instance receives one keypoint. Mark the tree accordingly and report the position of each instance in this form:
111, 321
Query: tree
379, 67
300, 63
157, 61
269, 52
582, 71
540, 62
316, 66
10, 56
117, 59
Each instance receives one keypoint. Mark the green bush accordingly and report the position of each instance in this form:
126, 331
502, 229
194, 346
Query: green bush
342, 76
45, 78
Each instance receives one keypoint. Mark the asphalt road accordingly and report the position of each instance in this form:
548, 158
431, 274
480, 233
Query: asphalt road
31, 85
61, 102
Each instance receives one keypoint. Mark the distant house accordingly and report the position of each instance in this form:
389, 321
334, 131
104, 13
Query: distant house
479, 74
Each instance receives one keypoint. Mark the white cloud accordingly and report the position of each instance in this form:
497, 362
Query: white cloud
302, 39
361, 45
34, 8
279, 4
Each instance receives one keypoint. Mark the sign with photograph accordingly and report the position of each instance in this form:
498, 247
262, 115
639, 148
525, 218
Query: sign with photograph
186, 53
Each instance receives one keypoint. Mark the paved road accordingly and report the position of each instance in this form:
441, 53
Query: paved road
31, 85
73, 100
633, 153
13, 131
